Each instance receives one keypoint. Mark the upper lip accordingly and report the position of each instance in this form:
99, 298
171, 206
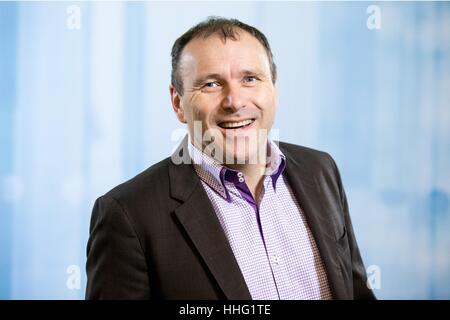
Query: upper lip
234, 120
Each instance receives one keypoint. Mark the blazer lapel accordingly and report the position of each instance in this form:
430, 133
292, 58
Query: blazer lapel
307, 191
200, 222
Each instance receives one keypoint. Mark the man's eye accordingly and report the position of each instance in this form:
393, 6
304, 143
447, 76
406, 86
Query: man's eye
211, 85
250, 79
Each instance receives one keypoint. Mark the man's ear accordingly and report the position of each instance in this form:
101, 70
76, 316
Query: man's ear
176, 104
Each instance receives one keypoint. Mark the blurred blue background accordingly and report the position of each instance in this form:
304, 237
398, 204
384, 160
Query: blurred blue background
84, 105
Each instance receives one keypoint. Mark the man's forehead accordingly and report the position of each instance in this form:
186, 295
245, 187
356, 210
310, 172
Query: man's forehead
237, 35
215, 42
206, 52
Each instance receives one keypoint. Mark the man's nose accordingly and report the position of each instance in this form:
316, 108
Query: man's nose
234, 99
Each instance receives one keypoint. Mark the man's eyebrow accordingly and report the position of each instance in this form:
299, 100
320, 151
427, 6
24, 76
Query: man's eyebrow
254, 72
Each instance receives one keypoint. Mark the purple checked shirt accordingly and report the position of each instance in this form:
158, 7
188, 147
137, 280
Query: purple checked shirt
270, 238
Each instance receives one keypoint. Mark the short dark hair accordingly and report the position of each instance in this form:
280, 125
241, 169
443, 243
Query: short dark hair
224, 28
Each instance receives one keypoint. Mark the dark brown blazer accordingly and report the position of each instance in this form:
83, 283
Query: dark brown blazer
157, 236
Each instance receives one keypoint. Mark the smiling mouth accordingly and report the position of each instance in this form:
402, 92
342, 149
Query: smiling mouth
236, 124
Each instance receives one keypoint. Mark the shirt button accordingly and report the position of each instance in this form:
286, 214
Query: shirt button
276, 259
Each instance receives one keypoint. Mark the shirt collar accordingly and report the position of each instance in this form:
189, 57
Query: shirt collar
214, 174
208, 169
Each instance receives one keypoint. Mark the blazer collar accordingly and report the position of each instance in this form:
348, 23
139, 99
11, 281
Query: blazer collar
200, 222
307, 190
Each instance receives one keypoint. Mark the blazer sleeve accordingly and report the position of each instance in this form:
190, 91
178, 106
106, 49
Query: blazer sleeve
116, 267
360, 288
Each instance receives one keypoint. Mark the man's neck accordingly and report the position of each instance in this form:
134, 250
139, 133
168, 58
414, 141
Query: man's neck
254, 176
253, 173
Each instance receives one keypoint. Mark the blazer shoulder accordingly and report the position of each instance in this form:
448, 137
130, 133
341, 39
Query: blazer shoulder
305, 154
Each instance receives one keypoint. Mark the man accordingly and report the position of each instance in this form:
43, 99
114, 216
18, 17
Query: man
231, 215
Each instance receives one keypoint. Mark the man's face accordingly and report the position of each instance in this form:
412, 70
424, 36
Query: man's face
229, 90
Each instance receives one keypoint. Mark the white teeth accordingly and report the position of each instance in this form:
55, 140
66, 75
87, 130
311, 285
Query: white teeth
235, 124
